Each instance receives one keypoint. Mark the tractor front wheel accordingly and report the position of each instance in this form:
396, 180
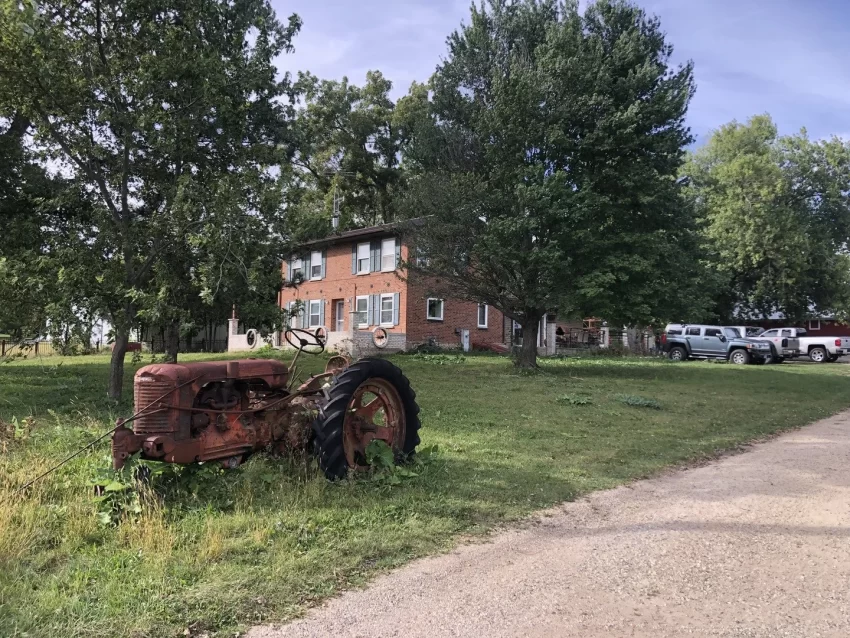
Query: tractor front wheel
370, 400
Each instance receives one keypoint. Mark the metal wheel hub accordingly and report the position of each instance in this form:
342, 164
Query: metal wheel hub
375, 412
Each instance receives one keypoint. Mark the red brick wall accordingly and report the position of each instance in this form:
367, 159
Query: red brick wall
457, 315
339, 283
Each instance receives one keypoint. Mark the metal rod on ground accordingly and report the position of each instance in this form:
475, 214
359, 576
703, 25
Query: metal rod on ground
121, 423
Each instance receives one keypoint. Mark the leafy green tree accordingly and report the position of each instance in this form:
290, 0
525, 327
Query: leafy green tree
347, 144
143, 102
545, 163
777, 219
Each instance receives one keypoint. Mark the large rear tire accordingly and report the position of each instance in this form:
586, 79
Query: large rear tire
371, 399
818, 354
677, 353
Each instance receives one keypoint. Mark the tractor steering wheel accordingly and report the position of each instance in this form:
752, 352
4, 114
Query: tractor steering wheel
303, 339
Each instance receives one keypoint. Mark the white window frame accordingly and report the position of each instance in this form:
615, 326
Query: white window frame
486, 323
388, 253
367, 258
428, 309
297, 266
357, 312
391, 297
310, 306
316, 260
812, 323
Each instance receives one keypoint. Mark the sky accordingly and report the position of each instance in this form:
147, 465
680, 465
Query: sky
783, 57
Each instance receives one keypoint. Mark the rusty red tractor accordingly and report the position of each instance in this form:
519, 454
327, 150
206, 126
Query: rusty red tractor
223, 411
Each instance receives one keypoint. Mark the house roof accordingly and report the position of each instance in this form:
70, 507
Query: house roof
362, 233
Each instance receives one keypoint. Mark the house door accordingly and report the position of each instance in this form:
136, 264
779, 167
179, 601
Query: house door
340, 315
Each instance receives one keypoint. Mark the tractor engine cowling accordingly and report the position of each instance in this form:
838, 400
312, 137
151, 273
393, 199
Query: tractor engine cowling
217, 410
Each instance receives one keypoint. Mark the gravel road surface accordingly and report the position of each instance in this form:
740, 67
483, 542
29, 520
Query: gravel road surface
753, 545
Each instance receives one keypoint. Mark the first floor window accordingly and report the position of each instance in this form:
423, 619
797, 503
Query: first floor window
316, 265
435, 309
361, 312
363, 258
315, 314
387, 308
814, 324
482, 315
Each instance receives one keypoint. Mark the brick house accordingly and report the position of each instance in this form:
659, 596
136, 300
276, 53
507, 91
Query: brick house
350, 285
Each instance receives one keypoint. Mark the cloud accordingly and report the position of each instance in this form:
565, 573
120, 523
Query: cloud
751, 56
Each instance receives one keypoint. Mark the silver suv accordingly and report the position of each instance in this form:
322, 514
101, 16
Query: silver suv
696, 341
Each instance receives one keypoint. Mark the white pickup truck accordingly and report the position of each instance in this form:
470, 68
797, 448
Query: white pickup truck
782, 345
819, 349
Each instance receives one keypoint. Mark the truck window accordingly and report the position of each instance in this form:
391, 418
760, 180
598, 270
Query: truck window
771, 333
753, 332
712, 332
787, 333
731, 333
693, 332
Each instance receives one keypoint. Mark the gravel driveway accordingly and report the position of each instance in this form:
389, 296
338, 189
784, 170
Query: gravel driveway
756, 544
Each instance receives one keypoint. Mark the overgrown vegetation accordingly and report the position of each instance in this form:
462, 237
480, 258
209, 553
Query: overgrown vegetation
216, 550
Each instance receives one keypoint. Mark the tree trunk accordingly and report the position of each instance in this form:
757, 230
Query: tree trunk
116, 366
527, 355
635, 338
172, 342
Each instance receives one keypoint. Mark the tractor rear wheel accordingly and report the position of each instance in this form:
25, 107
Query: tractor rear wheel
370, 400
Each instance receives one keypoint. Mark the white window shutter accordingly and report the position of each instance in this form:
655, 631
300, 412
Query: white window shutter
396, 298
368, 310
324, 263
322, 312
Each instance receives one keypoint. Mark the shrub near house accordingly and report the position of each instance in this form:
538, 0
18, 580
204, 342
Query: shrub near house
351, 284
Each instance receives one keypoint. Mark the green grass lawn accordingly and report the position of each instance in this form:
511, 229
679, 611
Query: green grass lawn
266, 541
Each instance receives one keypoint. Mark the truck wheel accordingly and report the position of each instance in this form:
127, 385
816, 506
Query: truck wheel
818, 354
739, 357
370, 400
677, 353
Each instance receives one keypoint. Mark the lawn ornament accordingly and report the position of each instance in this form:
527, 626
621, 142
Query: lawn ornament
224, 411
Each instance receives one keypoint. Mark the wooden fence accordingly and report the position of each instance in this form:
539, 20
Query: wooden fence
26, 348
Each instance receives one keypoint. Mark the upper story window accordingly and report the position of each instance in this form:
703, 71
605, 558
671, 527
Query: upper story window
363, 258
297, 270
316, 263
814, 324
388, 255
